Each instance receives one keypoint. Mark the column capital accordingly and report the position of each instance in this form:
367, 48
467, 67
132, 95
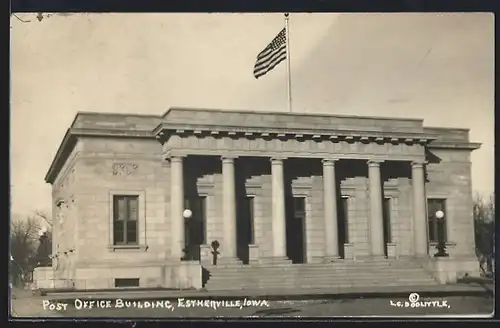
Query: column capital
277, 159
375, 162
228, 158
418, 163
175, 158
329, 161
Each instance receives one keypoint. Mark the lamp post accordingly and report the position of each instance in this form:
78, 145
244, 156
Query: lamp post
441, 246
186, 214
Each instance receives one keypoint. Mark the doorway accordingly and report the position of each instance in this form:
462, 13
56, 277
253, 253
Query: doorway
244, 228
296, 229
342, 224
194, 232
387, 208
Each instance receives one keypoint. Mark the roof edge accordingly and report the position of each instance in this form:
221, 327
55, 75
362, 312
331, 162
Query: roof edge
471, 146
54, 166
69, 142
263, 112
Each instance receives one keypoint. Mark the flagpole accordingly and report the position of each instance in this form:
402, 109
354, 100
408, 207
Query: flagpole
288, 71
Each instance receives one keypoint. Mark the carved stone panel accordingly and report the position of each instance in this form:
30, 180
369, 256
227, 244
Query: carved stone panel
124, 169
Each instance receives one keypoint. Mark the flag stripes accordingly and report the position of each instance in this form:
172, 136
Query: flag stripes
272, 55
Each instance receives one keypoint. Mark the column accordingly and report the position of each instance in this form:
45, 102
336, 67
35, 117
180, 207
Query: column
330, 210
177, 207
419, 208
278, 209
376, 214
228, 210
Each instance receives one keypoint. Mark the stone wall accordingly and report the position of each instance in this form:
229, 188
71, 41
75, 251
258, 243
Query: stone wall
119, 166
402, 215
356, 190
449, 177
108, 167
65, 218
183, 275
269, 120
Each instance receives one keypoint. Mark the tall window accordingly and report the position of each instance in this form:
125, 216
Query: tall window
125, 217
299, 207
387, 220
344, 220
434, 205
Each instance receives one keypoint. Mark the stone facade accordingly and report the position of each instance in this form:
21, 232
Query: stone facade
271, 158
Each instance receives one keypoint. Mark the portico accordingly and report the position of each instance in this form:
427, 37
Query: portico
235, 147
229, 215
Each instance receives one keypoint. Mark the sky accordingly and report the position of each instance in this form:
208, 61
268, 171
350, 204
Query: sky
434, 66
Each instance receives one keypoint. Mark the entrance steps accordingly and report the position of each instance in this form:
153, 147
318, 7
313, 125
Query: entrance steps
339, 274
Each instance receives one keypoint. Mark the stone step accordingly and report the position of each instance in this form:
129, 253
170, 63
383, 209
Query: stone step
254, 280
366, 273
321, 281
249, 286
362, 285
318, 285
319, 270
319, 275
314, 266
322, 266
308, 280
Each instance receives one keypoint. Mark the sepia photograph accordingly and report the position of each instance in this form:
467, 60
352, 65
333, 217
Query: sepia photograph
252, 165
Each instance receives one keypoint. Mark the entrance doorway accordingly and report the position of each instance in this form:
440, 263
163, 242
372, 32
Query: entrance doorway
194, 232
387, 206
296, 229
342, 224
244, 228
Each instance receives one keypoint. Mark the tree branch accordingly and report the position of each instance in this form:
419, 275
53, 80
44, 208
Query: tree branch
24, 21
44, 217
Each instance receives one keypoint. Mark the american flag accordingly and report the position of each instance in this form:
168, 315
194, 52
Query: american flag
272, 55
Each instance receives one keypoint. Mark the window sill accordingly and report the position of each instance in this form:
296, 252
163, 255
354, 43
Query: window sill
114, 248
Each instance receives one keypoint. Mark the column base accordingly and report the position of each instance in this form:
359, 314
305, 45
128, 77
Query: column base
331, 258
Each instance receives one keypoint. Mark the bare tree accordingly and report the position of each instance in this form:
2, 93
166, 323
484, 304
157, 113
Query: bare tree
23, 245
484, 226
24, 242
45, 217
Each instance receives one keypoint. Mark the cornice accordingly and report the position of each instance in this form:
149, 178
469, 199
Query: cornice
163, 132
70, 140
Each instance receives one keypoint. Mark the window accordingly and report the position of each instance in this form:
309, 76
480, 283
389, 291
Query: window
299, 207
125, 217
126, 282
435, 228
343, 220
387, 207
